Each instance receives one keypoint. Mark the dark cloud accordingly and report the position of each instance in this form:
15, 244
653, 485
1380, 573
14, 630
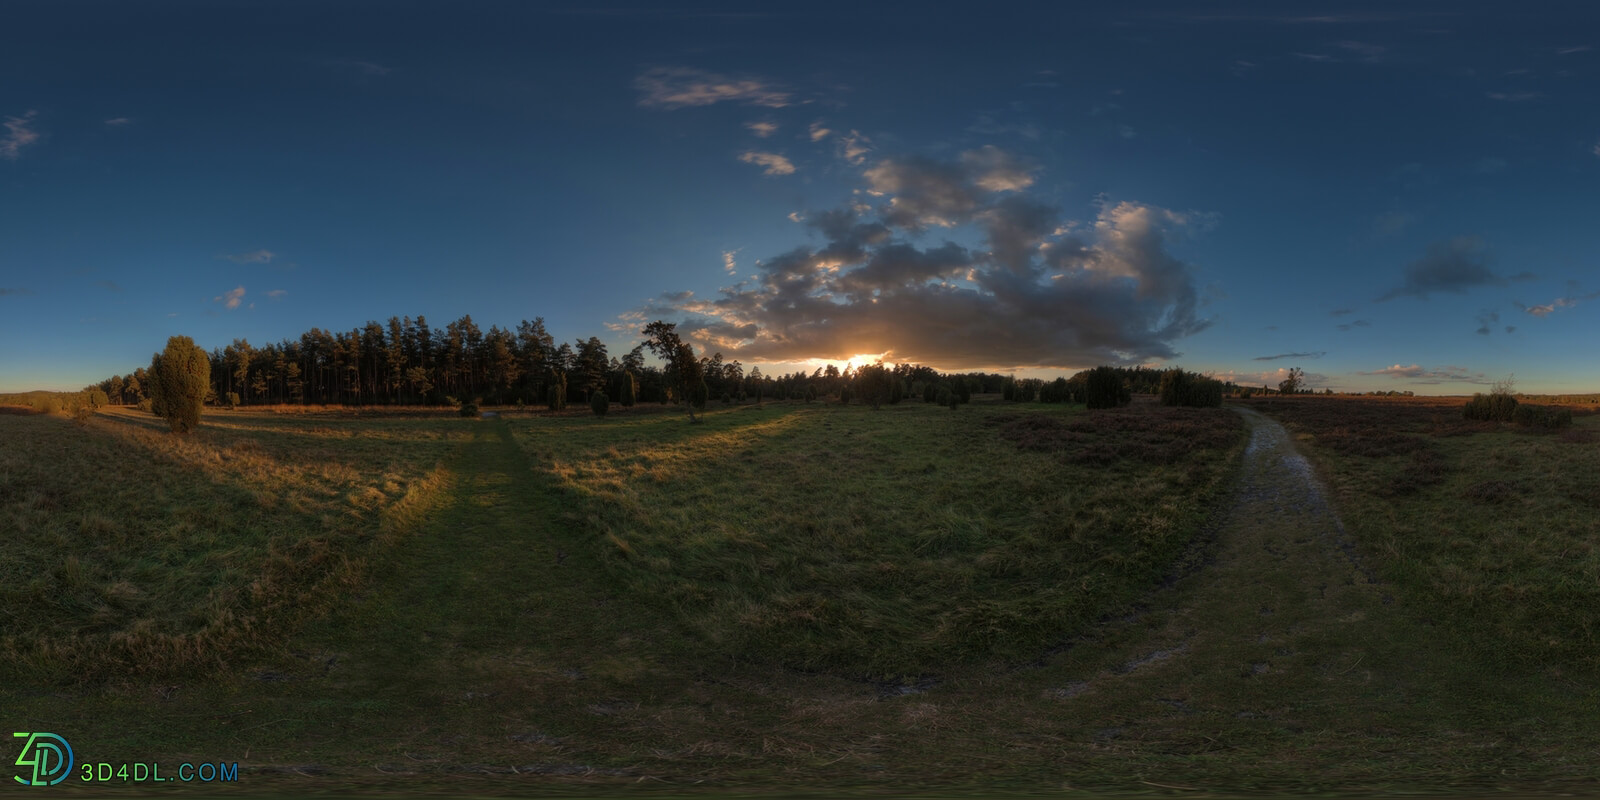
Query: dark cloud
1419, 374
1316, 354
4, 292
1453, 266
1339, 312
1360, 323
923, 191
1485, 320
1039, 297
109, 286
686, 87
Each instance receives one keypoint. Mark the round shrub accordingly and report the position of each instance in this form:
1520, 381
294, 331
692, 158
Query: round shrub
469, 409
599, 403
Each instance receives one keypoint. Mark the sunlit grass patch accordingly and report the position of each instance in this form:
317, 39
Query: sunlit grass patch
893, 543
131, 550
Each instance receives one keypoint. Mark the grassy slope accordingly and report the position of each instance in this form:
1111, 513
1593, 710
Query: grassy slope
501, 636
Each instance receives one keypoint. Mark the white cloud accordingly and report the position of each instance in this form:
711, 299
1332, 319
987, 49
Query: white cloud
1514, 97
117, 122
727, 260
853, 147
277, 293
818, 133
253, 257
775, 164
1419, 374
19, 134
685, 87
230, 298
762, 129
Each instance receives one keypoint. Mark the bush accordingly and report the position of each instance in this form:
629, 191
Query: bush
930, 393
1490, 407
233, 399
844, 395
48, 404
945, 397
630, 389
1179, 388
599, 403
146, 406
180, 377
811, 393
1542, 416
700, 393
1103, 388
469, 410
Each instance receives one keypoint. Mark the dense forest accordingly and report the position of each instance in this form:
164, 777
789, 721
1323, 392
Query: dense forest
409, 362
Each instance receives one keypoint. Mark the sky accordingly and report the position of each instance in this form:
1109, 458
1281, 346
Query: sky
1390, 196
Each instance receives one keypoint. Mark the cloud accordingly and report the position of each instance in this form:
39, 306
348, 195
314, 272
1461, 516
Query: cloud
1559, 303
774, 163
14, 292
1360, 323
853, 147
1419, 374
762, 129
1317, 354
109, 286
1567, 51
942, 193
1490, 166
1269, 377
19, 134
1363, 51
1032, 297
1485, 320
1514, 97
1451, 266
727, 260
818, 133
276, 293
230, 298
1339, 312
117, 122
670, 88
1392, 222
356, 66
252, 257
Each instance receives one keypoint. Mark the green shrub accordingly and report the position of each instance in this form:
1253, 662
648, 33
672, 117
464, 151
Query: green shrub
945, 397
599, 403
1103, 388
844, 395
811, 393
233, 399
180, 377
1179, 388
146, 405
469, 409
48, 404
630, 389
1542, 416
1490, 407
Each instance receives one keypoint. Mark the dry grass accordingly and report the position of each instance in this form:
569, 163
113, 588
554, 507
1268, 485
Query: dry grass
133, 550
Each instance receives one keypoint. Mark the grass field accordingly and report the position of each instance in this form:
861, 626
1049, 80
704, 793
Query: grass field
806, 598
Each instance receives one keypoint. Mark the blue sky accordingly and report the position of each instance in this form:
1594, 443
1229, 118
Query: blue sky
1390, 196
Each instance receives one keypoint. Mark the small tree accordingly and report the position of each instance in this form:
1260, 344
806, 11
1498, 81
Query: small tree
685, 368
180, 376
1292, 383
630, 389
875, 385
599, 403
811, 393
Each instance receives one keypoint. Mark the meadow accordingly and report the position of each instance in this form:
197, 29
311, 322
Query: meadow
808, 597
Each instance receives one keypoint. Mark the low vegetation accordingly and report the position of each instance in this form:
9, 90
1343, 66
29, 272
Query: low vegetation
131, 551
1488, 526
890, 545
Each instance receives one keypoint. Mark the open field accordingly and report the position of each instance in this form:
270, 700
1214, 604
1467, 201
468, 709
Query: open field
815, 598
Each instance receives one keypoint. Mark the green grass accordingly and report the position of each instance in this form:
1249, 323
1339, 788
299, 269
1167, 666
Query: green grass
1492, 527
501, 642
887, 544
130, 550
